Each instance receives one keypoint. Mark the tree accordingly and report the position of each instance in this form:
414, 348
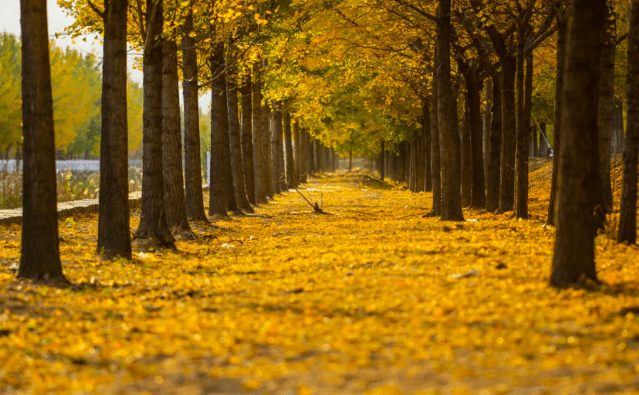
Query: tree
153, 228
574, 254
628, 217
114, 238
40, 257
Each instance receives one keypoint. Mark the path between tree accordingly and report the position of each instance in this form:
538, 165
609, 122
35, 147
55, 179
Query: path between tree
372, 299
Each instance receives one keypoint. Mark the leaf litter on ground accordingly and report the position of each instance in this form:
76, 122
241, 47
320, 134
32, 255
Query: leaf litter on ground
358, 302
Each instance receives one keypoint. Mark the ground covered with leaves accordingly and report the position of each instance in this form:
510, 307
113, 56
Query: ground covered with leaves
371, 298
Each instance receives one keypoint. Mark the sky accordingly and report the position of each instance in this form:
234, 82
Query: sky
58, 20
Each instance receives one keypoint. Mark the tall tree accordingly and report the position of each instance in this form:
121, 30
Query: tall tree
247, 139
40, 257
192, 160
258, 136
153, 228
628, 217
114, 235
174, 199
574, 254
235, 147
291, 175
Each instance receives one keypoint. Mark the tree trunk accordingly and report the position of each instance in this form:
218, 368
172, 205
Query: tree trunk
192, 159
40, 258
218, 196
486, 120
628, 217
382, 166
114, 234
508, 134
311, 157
436, 175
574, 255
258, 136
267, 163
494, 160
617, 127
247, 140
298, 152
291, 175
426, 146
153, 228
174, 200
478, 189
448, 133
523, 134
559, 81
466, 158
606, 96
235, 148
276, 141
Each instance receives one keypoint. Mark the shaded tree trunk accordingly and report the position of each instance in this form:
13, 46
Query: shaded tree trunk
382, 165
448, 133
574, 254
478, 189
114, 234
235, 148
426, 145
247, 140
435, 153
508, 134
276, 142
523, 134
486, 120
153, 227
559, 81
291, 175
606, 97
218, 195
466, 158
266, 150
494, 161
40, 253
628, 216
298, 151
192, 159
258, 136
174, 200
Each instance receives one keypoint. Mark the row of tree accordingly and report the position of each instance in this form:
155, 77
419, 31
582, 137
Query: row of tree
348, 74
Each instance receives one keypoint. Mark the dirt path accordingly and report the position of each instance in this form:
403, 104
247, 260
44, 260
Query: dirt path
371, 299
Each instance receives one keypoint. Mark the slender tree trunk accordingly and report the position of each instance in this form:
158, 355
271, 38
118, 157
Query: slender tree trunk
276, 141
559, 81
466, 158
40, 258
478, 189
266, 151
311, 156
258, 137
291, 175
382, 166
508, 134
235, 148
153, 227
606, 97
426, 146
574, 255
218, 196
192, 159
524, 93
308, 153
174, 200
114, 234
298, 151
628, 217
494, 160
448, 133
247, 140
435, 153
486, 121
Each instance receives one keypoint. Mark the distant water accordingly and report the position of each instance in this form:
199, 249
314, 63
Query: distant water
73, 165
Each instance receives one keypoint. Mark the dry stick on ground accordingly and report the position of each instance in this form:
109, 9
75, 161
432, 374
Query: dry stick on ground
315, 207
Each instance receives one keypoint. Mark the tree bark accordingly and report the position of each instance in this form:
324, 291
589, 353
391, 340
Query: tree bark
436, 175
486, 121
606, 98
192, 159
153, 227
291, 175
574, 255
174, 200
266, 150
382, 165
276, 141
258, 136
247, 140
524, 82
478, 189
628, 216
298, 151
449, 137
559, 82
218, 196
508, 134
40, 258
426, 146
114, 234
235, 148
466, 158
494, 161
